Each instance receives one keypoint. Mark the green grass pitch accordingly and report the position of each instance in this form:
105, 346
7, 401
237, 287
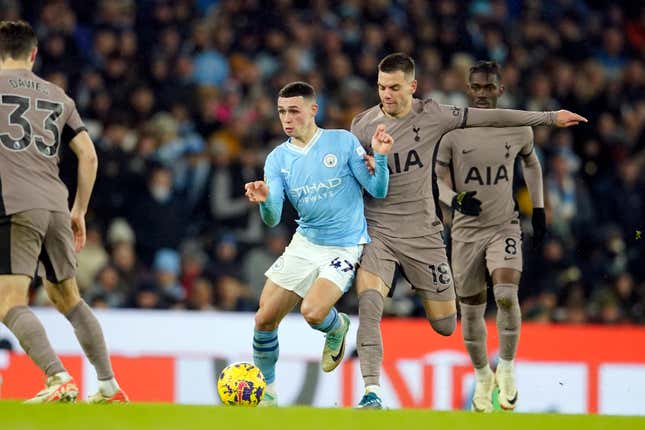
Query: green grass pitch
16, 416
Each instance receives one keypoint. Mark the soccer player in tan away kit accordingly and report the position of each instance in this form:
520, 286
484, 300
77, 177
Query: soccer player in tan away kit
405, 227
36, 117
480, 163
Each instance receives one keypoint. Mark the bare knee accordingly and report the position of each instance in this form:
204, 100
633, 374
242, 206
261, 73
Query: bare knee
313, 314
265, 321
474, 300
13, 292
63, 295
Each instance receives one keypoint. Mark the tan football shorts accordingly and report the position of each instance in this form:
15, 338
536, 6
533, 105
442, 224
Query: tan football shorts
470, 260
37, 235
422, 261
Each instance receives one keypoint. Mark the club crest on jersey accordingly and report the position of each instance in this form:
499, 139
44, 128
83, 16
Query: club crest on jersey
330, 160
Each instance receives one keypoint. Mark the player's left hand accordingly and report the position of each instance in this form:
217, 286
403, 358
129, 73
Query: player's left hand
381, 141
78, 228
370, 163
565, 118
538, 220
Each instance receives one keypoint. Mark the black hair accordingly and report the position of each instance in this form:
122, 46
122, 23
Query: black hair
17, 39
486, 67
397, 61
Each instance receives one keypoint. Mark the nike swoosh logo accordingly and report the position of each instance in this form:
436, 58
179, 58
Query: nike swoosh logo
441, 291
467, 151
340, 353
513, 400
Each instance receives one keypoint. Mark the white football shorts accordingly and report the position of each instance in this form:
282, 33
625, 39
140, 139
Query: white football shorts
303, 262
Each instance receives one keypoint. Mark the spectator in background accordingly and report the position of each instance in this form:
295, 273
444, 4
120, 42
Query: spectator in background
259, 259
158, 217
166, 272
230, 208
569, 203
200, 297
108, 288
91, 258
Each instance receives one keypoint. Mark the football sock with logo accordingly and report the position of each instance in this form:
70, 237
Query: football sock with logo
474, 333
30, 332
331, 323
509, 319
368, 340
90, 335
265, 352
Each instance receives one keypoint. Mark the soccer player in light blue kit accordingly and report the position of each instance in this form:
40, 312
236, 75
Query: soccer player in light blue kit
322, 173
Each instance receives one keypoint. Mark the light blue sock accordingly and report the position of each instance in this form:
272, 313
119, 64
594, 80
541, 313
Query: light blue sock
331, 322
265, 352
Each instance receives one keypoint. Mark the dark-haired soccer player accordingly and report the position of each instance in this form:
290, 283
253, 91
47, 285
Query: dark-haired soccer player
480, 161
405, 228
36, 118
323, 175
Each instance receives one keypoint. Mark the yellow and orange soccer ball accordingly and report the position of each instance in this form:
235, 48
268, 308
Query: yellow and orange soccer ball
241, 384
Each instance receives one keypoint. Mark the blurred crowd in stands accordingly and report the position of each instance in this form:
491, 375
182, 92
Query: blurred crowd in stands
179, 97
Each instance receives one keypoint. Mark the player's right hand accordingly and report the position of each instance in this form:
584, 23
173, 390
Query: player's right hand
381, 141
466, 203
256, 191
78, 229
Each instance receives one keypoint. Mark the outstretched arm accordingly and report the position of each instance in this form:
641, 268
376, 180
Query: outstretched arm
474, 117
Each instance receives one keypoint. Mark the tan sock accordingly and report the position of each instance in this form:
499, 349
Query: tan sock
509, 319
473, 327
368, 339
31, 334
90, 336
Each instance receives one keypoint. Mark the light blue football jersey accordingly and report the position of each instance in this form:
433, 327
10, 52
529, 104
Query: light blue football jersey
324, 181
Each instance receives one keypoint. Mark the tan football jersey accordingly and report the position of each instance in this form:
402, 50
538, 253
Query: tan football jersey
409, 210
36, 117
410, 207
482, 160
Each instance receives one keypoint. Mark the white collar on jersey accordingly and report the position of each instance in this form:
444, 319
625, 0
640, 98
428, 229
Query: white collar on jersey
309, 144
